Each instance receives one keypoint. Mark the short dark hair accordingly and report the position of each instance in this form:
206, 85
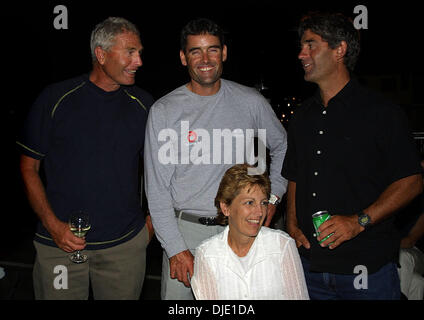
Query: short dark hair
200, 26
334, 28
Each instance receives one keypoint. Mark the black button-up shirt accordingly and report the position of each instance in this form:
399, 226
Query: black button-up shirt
342, 157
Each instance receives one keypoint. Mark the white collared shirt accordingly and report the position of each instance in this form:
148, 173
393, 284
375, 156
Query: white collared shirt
273, 270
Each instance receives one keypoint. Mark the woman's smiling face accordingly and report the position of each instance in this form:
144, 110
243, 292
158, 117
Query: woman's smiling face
246, 213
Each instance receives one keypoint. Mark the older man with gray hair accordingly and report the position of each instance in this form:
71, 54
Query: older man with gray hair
89, 134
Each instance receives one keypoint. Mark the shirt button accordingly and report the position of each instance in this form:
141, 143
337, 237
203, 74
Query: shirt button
324, 112
319, 152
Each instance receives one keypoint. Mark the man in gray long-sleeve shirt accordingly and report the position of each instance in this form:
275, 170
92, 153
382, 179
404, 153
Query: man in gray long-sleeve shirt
194, 134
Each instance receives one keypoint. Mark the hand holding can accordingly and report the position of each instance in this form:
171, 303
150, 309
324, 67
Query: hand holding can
317, 219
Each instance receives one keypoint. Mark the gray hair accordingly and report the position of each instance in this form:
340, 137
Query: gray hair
104, 33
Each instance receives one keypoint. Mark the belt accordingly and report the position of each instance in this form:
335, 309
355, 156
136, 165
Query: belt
207, 221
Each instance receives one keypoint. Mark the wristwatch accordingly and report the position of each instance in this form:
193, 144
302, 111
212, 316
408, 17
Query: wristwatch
273, 199
364, 220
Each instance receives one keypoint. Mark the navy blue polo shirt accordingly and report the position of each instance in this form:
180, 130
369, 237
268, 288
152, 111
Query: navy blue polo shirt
90, 142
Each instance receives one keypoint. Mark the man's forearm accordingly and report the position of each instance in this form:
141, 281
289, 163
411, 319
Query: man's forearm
36, 192
396, 196
292, 226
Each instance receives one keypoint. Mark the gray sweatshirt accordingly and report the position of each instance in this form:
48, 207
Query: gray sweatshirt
191, 140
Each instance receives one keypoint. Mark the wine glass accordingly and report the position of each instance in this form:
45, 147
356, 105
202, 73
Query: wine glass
79, 223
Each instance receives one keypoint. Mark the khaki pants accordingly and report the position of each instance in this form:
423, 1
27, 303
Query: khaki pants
115, 273
193, 234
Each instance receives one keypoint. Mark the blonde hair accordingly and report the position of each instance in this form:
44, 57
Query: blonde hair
233, 182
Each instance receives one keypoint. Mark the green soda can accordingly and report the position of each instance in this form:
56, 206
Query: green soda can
317, 219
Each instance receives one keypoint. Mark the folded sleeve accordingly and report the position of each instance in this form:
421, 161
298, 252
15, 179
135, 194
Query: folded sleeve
33, 139
396, 141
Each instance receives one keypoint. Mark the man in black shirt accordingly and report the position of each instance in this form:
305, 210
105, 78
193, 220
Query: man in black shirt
89, 134
349, 152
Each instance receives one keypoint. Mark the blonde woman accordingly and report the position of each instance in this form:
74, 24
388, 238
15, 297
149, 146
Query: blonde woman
246, 260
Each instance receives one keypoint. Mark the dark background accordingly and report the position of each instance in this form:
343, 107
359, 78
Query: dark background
262, 49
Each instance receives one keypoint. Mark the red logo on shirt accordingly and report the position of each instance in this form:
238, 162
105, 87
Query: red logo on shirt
192, 136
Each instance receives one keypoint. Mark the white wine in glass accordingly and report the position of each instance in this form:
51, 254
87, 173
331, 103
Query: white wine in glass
79, 224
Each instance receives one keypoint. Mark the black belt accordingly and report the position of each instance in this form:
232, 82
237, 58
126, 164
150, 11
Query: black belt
207, 221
